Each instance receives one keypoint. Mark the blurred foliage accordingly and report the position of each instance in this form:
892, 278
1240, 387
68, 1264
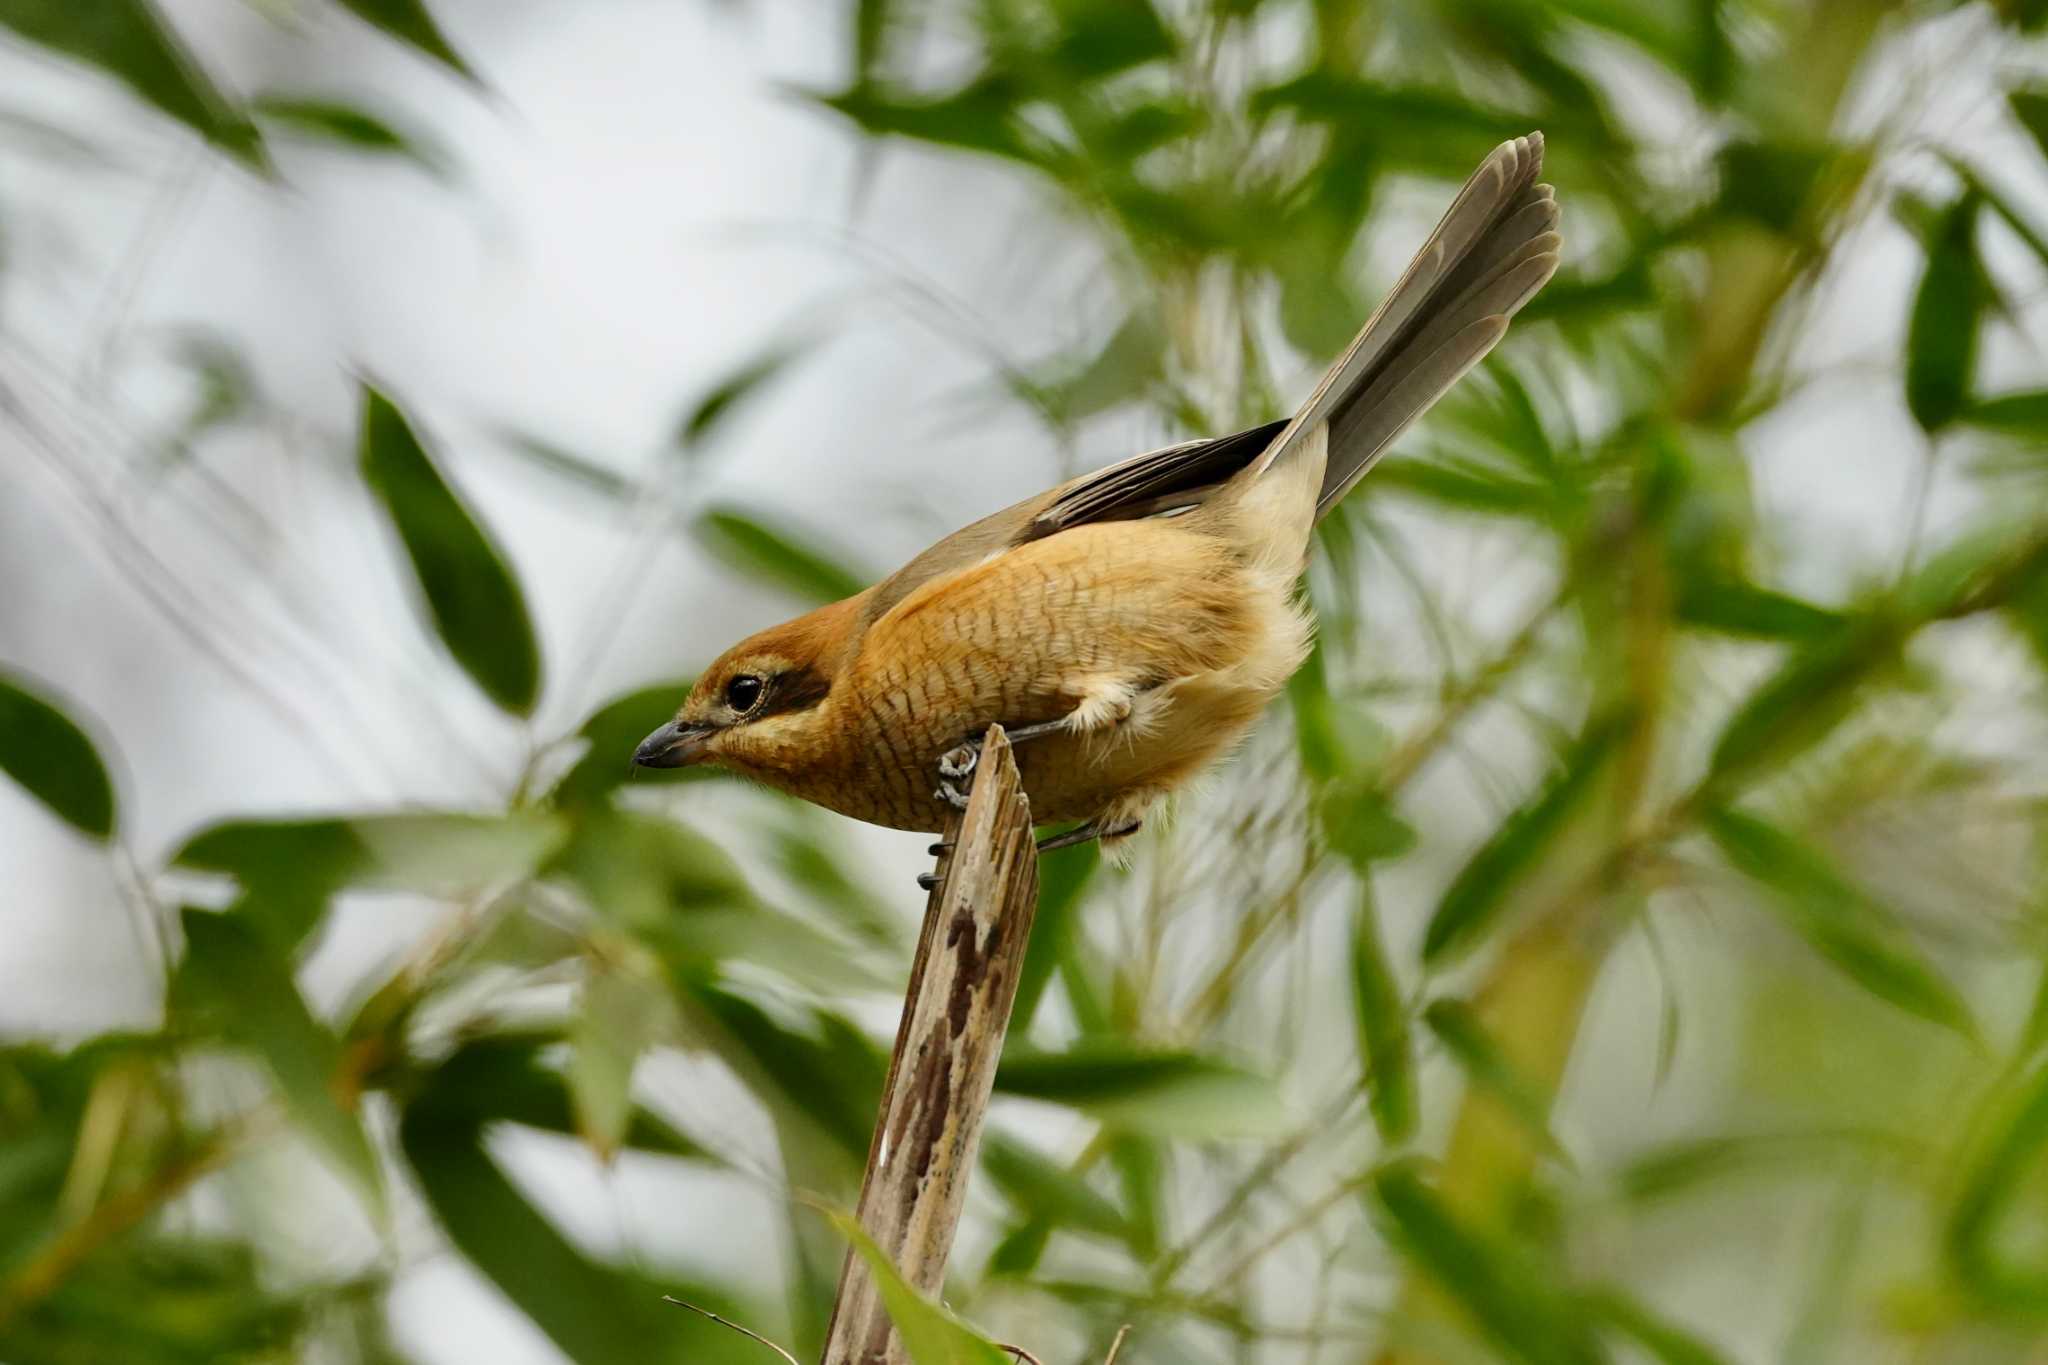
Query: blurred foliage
1347, 1118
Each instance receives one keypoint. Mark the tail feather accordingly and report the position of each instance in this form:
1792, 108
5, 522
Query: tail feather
1493, 249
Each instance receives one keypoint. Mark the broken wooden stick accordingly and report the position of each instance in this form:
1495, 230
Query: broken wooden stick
956, 1013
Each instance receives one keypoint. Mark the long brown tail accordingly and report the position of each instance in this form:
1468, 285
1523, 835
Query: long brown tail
1495, 247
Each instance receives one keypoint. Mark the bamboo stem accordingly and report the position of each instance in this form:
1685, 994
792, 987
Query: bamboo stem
956, 1013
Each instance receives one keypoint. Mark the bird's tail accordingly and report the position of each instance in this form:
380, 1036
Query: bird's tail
1495, 247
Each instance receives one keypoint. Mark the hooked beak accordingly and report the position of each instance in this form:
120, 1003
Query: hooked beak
674, 745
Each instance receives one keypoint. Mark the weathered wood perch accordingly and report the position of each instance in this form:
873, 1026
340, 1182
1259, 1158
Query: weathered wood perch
956, 1013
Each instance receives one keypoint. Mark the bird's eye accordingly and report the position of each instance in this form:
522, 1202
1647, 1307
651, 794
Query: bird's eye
743, 693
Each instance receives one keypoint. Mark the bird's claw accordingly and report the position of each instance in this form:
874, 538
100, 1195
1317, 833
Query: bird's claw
927, 881
960, 761
956, 773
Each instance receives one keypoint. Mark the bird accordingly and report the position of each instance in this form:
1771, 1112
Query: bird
1128, 627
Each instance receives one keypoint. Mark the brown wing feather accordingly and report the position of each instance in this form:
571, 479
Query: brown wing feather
1493, 249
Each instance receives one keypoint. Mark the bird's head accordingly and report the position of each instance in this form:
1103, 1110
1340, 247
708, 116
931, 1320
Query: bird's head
759, 698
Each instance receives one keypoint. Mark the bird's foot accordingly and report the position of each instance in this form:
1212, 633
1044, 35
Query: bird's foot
1082, 834
1094, 829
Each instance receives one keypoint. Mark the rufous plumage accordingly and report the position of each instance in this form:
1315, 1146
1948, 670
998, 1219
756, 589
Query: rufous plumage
1128, 627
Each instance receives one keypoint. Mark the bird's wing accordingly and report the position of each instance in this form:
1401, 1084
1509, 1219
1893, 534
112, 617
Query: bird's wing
1142, 486
1157, 481
1494, 248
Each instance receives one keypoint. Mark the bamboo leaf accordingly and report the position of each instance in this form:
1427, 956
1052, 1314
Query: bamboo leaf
1733, 607
1941, 338
1488, 1068
410, 22
1842, 923
1507, 1295
715, 407
347, 126
290, 868
829, 1076
1663, 1341
1047, 1192
2024, 413
2001, 1269
931, 1335
769, 553
1383, 1040
619, 1017
129, 40
596, 1314
53, 760
1148, 1091
469, 590
501, 1077
1361, 823
236, 983
2030, 107
1799, 705
1064, 877
1480, 892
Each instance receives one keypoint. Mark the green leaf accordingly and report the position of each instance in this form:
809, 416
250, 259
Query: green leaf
597, 1314
829, 1077
931, 1334
982, 116
619, 1016
410, 22
1842, 923
768, 553
1337, 739
1126, 365
475, 602
1145, 1090
1774, 183
235, 982
642, 869
1469, 486
1664, 1342
1361, 824
2030, 107
1507, 1294
53, 760
291, 867
1480, 892
2024, 413
570, 468
1733, 607
2005, 1270
1064, 877
501, 1077
191, 1298
1383, 1040
1046, 1191
1101, 40
716, 406
1488, 1068
1682, 1167
1812, 692
129, 40
348, 126
1941, 338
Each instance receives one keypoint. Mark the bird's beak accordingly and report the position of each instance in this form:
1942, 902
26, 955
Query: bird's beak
675, 745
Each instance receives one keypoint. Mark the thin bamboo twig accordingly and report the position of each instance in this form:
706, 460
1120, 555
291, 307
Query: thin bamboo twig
728, 1322
956, 1012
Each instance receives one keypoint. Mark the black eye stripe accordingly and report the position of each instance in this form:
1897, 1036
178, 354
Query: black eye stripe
753, 696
